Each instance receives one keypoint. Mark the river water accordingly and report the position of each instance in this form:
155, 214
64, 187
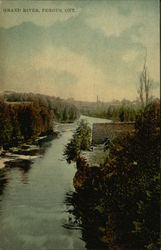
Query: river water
33, 209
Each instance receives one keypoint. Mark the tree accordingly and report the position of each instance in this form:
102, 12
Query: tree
65, 114
6, 128
81, 140
145, 85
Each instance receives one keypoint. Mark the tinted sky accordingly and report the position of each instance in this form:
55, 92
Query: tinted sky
98, 49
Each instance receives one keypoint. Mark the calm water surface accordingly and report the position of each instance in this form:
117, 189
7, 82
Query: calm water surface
33, 211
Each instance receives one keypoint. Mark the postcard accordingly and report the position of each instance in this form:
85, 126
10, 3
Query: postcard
79, 124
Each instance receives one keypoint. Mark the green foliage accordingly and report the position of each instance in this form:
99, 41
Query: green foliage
81, 140
131, 176
127, 187
6, 128
20, 122
62, 111
121, 112
24, 116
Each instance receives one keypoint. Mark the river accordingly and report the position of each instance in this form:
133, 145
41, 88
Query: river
33, 209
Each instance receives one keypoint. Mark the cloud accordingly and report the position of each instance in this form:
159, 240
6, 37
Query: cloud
130, 56
89, 80
108, 20
98, 50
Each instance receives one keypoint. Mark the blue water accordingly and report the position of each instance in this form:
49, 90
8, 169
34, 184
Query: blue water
32, 201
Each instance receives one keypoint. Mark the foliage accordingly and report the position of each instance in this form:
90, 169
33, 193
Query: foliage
22, 121
62, 111
81, 140
127, 187
121, 112
133, 180
24, 116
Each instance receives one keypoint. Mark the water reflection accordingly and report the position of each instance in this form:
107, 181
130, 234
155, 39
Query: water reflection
3, 181
46, 141
24, 165
25, 176
32, 215
81, 215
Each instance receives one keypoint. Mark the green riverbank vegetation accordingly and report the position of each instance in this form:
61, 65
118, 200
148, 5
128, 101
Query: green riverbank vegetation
25, 116
118, 203
121, 112
81, 140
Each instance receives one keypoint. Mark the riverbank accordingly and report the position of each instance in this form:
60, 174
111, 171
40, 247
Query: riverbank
33, 210
25, 151
117, 199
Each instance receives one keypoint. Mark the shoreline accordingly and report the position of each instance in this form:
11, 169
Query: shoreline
24, 151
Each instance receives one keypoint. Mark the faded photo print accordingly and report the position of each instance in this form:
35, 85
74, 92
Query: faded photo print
79, 125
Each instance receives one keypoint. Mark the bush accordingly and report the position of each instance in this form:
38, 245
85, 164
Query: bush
81, 140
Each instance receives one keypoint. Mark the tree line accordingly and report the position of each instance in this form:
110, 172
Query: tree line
123, 112
24, 116
62, 110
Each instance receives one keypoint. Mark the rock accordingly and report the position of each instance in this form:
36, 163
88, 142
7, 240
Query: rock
86, 177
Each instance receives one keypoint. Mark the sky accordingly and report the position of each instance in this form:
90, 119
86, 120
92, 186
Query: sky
81, 50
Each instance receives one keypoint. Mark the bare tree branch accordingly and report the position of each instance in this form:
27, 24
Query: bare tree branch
145, 85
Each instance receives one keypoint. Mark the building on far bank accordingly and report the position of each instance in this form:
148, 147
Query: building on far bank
101, 131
